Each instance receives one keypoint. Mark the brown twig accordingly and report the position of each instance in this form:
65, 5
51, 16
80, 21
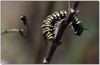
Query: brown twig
50, 52
11, 31
25, 22
21, 31
71, 12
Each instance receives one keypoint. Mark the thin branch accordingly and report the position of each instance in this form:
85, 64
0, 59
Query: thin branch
69, 6
21, 31
50, 52
62, 27
27, 29
25, 22
11, 31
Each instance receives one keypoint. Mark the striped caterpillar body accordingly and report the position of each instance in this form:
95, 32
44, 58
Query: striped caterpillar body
49, 25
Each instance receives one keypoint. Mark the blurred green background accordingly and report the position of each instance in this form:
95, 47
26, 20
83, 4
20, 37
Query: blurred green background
82, 49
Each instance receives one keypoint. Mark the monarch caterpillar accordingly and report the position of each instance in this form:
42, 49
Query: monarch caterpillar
49, 25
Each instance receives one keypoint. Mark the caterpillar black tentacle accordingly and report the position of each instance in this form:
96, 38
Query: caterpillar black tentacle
54, 20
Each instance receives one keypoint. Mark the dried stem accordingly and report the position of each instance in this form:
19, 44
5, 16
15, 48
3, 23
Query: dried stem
62, 27
69, 5
27, 29
11, 31
25, 22
21, 31
50, 52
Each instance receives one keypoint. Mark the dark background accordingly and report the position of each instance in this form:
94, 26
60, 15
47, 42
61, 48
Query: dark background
74, 50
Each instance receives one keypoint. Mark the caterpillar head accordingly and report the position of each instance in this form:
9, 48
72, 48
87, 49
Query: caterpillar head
77, 26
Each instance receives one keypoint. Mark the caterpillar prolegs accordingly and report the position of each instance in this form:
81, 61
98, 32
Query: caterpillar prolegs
48, 26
